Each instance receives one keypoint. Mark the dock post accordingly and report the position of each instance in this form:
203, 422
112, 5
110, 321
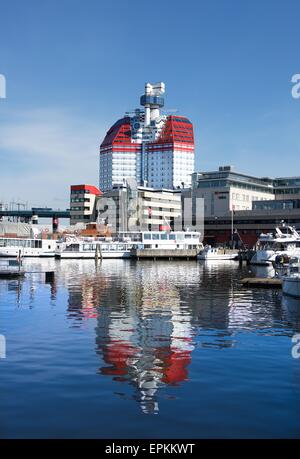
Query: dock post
240, 256
49, 277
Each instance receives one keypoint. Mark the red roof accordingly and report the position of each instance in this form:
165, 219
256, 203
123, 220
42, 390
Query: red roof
177, 129
120, 132
91, 188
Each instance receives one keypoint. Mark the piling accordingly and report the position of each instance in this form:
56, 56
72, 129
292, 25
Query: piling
49, 277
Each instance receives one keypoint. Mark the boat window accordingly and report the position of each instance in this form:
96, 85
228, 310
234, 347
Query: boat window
164, 237
180, 237
147, 236
187, 236
172, 237
155, 236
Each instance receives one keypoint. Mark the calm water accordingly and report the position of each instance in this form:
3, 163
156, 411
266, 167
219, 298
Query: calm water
147, 350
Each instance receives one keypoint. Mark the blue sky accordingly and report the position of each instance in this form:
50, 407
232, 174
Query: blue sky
72, 68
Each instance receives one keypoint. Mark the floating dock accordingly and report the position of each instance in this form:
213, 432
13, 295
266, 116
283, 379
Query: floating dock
262, 282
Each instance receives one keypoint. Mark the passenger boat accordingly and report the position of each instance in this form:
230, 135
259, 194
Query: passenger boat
285, 241
214, 253
291, 280
170, 240
126, 244
93, 248
14, 247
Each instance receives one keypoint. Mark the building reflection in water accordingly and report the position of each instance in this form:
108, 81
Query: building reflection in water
151, 316
147, 340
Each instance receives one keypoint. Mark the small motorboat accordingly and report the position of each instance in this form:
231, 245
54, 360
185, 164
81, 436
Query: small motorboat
214, 253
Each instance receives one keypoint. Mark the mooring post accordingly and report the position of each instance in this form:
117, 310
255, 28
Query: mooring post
49, 276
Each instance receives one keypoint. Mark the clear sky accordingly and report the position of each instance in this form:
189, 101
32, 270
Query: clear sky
74, 67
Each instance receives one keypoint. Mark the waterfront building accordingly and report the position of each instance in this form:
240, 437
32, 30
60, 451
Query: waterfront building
225, 190
287, 188
83, 203
129, 207
155, 149
276, 204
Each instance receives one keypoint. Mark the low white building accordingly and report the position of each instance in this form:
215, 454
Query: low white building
224, 190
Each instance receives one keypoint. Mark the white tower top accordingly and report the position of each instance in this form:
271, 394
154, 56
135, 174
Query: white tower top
152, 100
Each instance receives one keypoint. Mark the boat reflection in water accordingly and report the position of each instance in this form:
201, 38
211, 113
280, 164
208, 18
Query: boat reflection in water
292, 307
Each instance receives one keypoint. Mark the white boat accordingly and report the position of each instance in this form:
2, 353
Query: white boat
284, 242
170, 240
291, 280
15, 247
92, 248
214, 253
124, 244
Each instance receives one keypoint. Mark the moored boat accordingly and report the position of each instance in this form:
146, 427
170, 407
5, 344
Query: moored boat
215, 253
26, 247
92, 248
284, 242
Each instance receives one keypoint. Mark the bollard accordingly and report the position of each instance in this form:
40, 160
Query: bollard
49, 276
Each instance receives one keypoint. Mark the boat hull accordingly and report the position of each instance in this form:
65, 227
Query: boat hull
216, 257
15, 254
291, 286
91, 255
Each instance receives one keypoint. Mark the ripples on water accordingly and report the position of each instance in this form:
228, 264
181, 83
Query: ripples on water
101, 349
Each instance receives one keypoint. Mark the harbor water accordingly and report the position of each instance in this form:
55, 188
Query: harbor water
147, 349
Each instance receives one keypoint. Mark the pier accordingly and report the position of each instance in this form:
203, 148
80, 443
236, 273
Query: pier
262, 282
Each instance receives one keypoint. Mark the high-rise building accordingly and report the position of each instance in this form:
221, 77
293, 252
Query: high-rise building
155, 149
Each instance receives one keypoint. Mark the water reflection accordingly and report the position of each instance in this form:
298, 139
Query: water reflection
147, 340
150, 318
292, 307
